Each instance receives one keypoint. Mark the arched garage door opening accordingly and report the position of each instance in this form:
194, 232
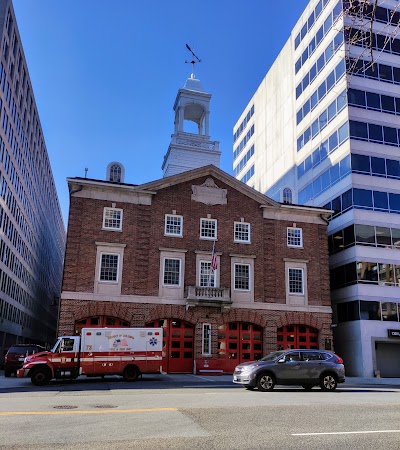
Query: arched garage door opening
297, 336
178, 345
100, 322
239, 342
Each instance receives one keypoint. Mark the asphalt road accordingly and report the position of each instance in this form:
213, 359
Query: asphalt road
189, 412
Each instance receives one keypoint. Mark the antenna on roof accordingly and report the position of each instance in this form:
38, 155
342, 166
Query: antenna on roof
86, 171
192, 62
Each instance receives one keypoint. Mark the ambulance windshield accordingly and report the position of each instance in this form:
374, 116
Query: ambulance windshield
56, 346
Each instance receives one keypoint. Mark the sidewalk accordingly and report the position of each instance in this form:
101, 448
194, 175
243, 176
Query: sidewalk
190, 379
354, 381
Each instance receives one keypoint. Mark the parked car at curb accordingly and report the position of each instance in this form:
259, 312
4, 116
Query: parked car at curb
306, 368
16, 355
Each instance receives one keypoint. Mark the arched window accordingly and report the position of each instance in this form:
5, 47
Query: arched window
287, 196
115, 172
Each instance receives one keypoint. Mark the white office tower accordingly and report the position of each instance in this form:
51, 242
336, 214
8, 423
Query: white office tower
323, 129
190, 146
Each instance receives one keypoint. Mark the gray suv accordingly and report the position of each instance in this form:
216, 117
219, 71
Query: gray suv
307, 368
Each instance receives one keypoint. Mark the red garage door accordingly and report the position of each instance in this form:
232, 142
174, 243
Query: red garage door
178, 345
100, 322
297, 336
239, 342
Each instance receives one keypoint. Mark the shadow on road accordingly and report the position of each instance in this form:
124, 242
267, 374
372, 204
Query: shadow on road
112, 383
165, 382
341, 390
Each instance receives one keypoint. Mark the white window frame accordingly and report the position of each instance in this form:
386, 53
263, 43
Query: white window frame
234, 277
209, 238
105, 210
286, 190
206, 339
166, 233
302, 281
212, 275
236, 224
100, 267
179, 275
104, 286
121, 168
288, 237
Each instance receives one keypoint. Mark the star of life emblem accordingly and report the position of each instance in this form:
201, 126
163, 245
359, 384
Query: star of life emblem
153, 341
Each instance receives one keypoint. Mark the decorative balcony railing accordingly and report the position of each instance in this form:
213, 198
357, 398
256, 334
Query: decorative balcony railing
207, 296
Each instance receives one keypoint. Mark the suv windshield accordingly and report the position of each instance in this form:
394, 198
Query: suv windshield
272, 356
22, 349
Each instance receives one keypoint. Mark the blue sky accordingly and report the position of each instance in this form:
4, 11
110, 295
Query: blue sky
105, 74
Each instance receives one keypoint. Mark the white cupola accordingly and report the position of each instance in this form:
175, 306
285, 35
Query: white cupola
190, 146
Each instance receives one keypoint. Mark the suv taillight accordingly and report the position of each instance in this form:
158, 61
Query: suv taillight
338, 359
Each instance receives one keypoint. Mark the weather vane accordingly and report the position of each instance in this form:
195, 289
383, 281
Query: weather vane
192, 62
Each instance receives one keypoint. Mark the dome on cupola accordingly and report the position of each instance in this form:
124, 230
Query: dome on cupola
193, 84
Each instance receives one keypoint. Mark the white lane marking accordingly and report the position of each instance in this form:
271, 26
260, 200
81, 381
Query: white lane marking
347, 432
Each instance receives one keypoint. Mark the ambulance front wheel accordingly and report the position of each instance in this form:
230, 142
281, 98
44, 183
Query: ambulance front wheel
41, 376
131, 373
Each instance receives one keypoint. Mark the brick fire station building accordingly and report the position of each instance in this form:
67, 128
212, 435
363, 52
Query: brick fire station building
142, 255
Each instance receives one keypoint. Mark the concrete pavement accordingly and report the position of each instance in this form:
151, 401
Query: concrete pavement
184, 379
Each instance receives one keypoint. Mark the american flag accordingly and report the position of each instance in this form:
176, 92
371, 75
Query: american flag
214, 262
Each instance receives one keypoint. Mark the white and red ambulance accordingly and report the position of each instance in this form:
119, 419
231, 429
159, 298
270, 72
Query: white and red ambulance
129, 352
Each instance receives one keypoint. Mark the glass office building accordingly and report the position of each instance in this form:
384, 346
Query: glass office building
32, 232
323, 129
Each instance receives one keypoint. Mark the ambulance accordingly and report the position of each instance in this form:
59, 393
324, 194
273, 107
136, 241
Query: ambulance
129, 352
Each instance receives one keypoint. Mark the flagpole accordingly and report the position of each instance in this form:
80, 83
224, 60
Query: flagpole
213, 263
209, 273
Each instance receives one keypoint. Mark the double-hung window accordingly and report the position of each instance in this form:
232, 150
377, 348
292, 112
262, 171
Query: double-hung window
172, 271
109, 267
173, 225
242, 232
242, 277
112, 219
296, 281
208, 229
294, 237
207, 275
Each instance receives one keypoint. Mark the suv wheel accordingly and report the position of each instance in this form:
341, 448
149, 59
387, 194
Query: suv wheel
328, 382
265, 382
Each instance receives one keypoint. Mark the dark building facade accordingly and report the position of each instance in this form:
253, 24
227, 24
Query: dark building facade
32, 233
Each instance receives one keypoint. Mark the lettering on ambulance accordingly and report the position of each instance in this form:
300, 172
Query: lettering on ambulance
109, 351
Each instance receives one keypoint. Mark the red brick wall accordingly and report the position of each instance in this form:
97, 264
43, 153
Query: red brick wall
143, 234
138, 315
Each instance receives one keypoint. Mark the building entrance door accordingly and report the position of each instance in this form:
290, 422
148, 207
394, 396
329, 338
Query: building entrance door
387, 359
